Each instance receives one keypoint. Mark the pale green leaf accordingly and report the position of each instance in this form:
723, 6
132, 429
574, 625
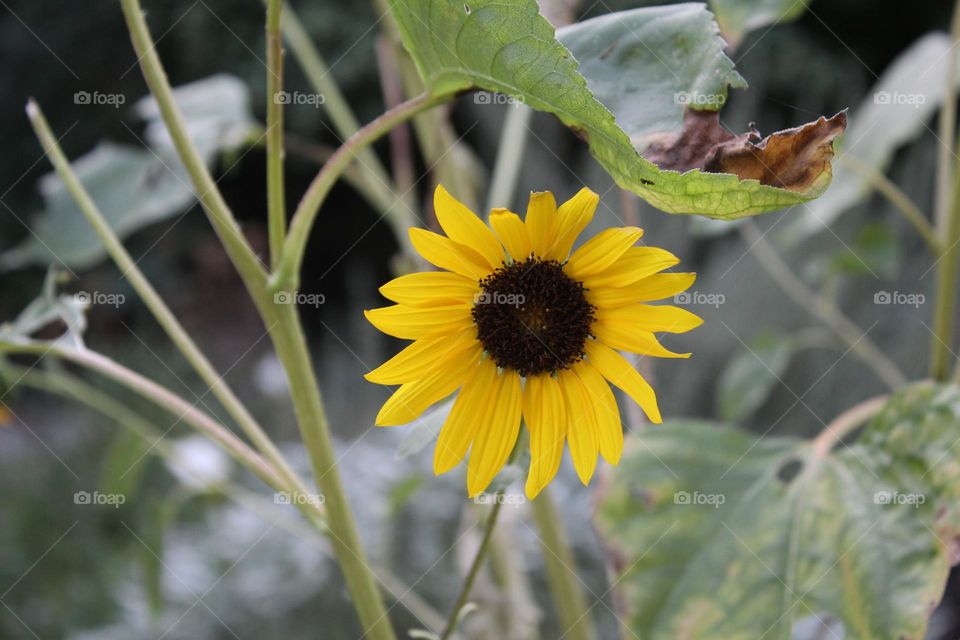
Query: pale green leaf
737, 17
508, 47
750, 376
724, 536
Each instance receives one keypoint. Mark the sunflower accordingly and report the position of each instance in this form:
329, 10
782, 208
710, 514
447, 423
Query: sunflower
527, 330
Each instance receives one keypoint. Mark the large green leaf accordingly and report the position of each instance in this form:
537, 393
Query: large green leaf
508, 47
135, 187
723, 536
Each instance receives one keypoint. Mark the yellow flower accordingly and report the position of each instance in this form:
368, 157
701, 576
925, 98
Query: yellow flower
526, 329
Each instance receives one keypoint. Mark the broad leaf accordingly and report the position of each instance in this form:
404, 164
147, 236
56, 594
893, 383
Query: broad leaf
508, 47
134, 187
722, 536
894, 112
737, 17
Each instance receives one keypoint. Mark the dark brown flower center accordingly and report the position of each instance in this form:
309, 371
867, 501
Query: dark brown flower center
532, 317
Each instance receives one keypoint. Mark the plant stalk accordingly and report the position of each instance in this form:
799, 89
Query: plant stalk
276, 200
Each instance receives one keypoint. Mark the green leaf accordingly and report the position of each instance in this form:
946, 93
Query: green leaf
746, 382
893, 113
726, 536
737, 17
508, 47
48, 308
134, 187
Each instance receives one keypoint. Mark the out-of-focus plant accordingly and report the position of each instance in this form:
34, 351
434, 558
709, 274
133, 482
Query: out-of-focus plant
643, 89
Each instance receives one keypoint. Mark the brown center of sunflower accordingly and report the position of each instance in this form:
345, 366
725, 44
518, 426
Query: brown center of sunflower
532, 317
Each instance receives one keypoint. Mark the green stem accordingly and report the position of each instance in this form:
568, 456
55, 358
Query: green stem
898, 199
155, 303
572, 611
474, 570
947, 129
276, 201
844, 424
287, 276
283, 324
946, 302
222, 219
855, 338
158, 395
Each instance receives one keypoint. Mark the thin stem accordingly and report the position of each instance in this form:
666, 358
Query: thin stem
844, 424
569, 604
855, 338
165, 317
900, 200
276, 201
294, 354
945, 304
222, 219
478, 560
160, 396
947, 129
506, 171
401, 141
286, 277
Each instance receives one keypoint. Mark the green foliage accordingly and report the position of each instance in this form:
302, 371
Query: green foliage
726, 536
508, 47
49, 307
737, 17
751, 375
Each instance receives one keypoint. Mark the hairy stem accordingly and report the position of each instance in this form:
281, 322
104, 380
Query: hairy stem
276, 200
569, 603
155, 303
287, 276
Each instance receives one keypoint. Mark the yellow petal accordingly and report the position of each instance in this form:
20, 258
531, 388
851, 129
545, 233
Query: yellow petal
420, 358
573, 216
512, 233
413, 398
625, 337
497, 434
541, 221
545, 415
635, 264
463, 226
647, 317
620, 373
413, 323
447, 254
655, 287
601, 251
609, 427
465, 417
581, 425
430, 288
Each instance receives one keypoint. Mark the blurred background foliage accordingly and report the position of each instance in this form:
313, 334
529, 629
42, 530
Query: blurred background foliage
199, 565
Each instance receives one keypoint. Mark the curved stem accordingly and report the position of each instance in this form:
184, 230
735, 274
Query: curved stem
276, 201
474, 570
155, 303
898, 199
560, 565
847, 422
286, 277
856, 339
